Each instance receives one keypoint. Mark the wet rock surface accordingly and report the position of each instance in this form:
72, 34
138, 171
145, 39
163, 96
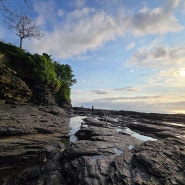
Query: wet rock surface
110, 148
31, 143
105, 154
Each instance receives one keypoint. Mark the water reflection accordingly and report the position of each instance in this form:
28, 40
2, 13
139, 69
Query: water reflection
117, 151
135, 134
75, 124
77, 121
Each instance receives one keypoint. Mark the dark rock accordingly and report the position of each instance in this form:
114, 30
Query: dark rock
41, 94
103, 156
13, 88
36, 149
30, 148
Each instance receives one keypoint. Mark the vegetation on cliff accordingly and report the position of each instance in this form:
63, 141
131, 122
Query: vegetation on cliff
40, 69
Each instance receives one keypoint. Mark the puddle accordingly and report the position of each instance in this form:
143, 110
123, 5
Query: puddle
135, 134
117, 151
131, 147
175, 124
96, 156
75, 124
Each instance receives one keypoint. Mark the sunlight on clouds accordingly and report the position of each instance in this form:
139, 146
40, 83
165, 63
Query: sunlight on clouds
153, 55
88, 28
107, 99
156, 20
182, 72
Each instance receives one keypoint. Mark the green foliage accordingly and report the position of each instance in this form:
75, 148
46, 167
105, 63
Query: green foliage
40, 69
63, 95
2, 59
64, 74
66, 77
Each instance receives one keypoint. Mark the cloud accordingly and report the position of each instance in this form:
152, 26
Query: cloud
47, 13
153, 55
130, 46
164, 103
60, 12
126, 89
155, 21
80, 3
84, 29
69, 34
99, 91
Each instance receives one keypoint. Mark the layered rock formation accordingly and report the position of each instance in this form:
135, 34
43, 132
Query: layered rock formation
107, 155
31, 144
11, 87
36, 149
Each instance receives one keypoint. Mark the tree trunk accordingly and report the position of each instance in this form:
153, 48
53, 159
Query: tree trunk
20, 42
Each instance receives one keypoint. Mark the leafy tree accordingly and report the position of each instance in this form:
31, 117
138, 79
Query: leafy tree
65, 75
17, 19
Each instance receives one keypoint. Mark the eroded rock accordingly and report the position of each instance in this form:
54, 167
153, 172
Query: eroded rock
11, 87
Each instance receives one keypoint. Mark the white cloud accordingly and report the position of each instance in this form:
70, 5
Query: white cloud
60, 12
153, 55
155, 21
84, 29
47, 13
80, 3
165, 103
130, 46
88, 28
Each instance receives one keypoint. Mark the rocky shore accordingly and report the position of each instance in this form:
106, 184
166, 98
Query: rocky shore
120, 148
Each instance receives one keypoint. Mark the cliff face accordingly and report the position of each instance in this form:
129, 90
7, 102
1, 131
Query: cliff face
13, 88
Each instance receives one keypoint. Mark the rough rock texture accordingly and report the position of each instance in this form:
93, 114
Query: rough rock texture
11, 87
31, 144
41, 94
104, 156
36, 150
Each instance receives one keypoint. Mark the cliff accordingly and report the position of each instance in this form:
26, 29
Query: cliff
48, 81
13, 88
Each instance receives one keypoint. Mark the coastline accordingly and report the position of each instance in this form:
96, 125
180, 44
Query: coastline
35, 147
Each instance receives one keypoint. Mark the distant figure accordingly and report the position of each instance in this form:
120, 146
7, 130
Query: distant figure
106, 116
92, 110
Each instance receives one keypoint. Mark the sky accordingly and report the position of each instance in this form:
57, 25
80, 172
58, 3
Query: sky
125, 54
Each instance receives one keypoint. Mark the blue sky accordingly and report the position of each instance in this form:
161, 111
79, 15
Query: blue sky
125, 54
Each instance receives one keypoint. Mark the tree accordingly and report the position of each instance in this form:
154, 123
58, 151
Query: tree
20, 22
64, 74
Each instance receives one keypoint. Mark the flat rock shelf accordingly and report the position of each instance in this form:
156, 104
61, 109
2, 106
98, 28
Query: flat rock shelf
47, 145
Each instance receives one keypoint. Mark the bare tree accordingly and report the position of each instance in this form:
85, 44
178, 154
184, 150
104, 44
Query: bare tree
20, 22
24, 26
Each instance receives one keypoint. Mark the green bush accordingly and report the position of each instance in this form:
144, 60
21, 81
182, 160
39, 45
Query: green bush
65, 75
40, 69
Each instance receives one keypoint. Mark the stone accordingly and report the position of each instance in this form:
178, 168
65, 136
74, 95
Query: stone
36, 148
13, 88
